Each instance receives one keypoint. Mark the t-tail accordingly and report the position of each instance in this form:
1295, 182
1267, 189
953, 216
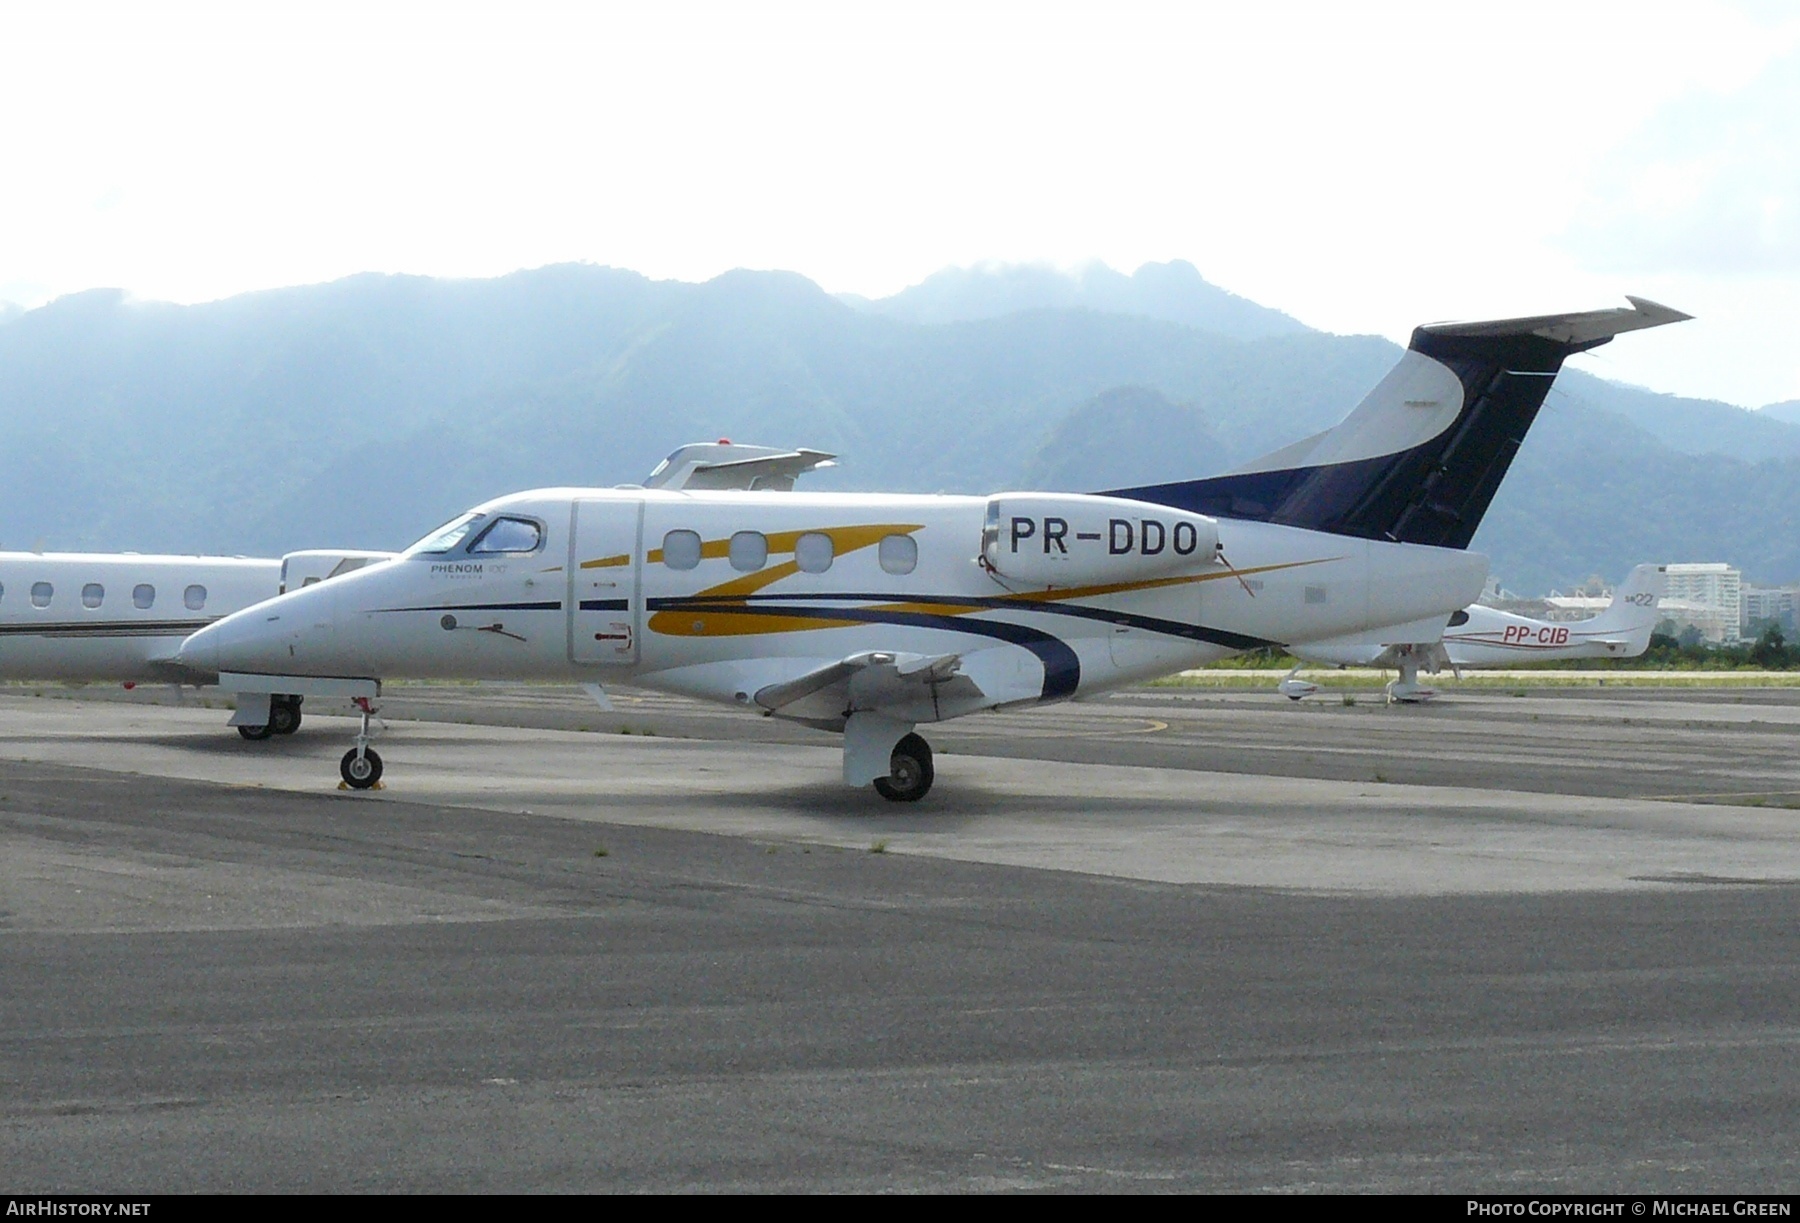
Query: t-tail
1633, 613
1419, 460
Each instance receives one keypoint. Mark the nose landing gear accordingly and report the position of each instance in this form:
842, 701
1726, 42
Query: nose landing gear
361, 767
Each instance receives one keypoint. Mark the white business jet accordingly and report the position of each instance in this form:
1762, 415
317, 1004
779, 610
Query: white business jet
874, 614
1478, 637
82, 617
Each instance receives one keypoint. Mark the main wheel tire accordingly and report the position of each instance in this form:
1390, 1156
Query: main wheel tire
284, 718
255, 733
909, 772
360, 772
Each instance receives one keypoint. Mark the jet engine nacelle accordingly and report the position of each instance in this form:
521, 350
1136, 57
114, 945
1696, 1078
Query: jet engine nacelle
1067, 539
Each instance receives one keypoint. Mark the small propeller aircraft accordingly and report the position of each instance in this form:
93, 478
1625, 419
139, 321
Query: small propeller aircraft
874, 614
1478, 636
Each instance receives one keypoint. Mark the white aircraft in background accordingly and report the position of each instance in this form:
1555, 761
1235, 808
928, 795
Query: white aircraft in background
872, 614
1478, 637
120, 617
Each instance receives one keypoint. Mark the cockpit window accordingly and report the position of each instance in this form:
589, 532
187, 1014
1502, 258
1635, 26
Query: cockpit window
508, 535
447, 536
1458, 619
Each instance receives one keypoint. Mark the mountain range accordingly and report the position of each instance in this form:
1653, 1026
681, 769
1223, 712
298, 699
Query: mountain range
362, 412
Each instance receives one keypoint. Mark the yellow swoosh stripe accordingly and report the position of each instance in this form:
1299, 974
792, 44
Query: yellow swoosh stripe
713, 621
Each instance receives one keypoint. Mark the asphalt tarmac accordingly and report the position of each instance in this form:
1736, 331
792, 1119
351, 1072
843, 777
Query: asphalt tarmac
1169, 941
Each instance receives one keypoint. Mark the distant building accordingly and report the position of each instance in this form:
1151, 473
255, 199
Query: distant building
1708, 598
1570, 608
1556, 606
1778, 603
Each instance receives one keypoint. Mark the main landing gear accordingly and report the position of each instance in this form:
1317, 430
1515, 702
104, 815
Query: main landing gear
910, 773
1407, 690
361, 767
284, 719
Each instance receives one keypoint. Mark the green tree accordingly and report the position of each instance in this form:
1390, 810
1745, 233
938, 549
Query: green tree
1771, 650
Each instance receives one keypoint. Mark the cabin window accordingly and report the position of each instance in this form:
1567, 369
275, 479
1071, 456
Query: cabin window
681, 549
143, 596
93, 595
749, 551
508, 535
1315, 594
898, 553
40, 594
194, 597
813, 552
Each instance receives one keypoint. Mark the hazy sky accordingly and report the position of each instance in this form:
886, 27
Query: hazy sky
1363, 167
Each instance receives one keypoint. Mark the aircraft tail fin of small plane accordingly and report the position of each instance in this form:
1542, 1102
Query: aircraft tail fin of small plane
1419, 460
1633, 612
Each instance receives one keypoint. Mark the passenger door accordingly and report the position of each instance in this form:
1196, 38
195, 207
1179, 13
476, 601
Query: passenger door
605, 595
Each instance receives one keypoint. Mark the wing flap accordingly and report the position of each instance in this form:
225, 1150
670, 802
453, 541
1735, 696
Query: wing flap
911, 687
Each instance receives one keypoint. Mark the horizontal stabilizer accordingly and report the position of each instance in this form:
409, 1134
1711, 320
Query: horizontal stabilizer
1579, 330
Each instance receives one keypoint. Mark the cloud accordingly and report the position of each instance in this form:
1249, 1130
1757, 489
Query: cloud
1710, 185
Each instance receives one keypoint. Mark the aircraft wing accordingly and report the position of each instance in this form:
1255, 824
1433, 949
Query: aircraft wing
777, 471
911, 687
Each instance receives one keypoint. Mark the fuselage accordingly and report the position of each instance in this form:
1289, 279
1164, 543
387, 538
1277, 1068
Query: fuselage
99, 616
717, 594
1492, 638
84, 617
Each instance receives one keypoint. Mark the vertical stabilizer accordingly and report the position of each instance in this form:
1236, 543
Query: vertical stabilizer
1421, 457
1633, 612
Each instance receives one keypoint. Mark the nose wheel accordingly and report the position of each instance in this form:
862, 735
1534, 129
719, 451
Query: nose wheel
361, 767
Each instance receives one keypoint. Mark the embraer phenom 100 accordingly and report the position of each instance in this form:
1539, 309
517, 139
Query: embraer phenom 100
875, 614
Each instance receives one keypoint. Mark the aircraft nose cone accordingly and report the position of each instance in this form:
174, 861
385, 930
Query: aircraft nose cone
200, 652
281, 636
